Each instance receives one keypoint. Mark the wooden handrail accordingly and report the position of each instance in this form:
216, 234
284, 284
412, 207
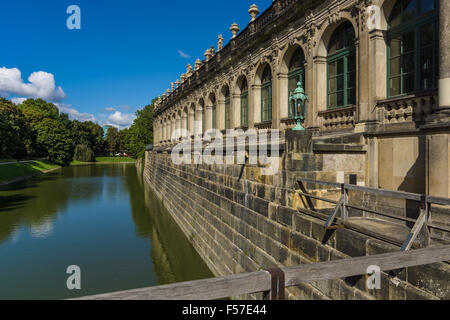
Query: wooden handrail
383, 192
260, 281
422, 224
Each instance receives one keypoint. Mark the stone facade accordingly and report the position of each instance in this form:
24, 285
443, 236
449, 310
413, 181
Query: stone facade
271, 39
240, 220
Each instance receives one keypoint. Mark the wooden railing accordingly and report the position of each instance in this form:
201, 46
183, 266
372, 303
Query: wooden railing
262, 281
422, 223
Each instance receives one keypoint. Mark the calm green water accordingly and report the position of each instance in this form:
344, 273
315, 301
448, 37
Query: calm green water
100, 218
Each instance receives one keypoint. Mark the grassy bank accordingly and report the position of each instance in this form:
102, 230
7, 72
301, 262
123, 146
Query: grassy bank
105, 160
18, 170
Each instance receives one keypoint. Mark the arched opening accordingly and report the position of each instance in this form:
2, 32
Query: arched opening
296, 72
266, 94
341, 67
413, 47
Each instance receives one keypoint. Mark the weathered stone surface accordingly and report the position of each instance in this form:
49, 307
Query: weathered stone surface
247, 226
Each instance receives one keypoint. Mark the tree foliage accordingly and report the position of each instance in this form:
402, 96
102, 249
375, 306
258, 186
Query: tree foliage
54, 138
140, 133
13, 131
36, 129
84, 154
89, 134
112, 138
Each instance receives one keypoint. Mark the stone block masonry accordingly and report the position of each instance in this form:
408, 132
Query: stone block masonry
240, 221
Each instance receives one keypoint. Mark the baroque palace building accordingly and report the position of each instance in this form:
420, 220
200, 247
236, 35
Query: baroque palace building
377, 69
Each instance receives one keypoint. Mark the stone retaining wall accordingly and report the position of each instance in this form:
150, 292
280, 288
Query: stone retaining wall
240, 221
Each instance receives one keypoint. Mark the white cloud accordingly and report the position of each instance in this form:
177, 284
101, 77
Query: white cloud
74, 114
40, 85
121, 120
18, 101
183, 55
110, 109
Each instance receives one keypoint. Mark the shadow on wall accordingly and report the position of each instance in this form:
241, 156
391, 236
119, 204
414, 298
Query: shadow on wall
414, 182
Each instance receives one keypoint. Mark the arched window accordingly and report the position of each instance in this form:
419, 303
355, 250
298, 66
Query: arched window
266, 94
296, 72
227, 109
341, 67
413, 47
244, 103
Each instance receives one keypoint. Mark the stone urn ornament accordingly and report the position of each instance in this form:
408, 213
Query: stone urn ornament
298, 101
234, 30
254, 11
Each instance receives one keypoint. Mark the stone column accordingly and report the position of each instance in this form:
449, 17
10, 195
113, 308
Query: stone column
235, 109
275, 100
165, 131
184, 119
251, 107
320, 87
191, 121
256, 101
444, 49
178, 127
208, 115
283, 82
198, 121
172, 129
220, 114
311, 113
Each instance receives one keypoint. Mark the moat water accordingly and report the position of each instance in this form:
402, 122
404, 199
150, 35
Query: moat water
101, 218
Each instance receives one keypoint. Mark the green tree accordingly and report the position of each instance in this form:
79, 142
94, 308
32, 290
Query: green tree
84, 154
112, 138
98, 143
13, 131
53, 137
124, 138
89, 134
141, 132
35, 111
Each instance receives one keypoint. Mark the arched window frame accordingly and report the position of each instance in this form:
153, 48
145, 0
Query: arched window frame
413, 28
347, 57
244, 103
266, 94
295, 74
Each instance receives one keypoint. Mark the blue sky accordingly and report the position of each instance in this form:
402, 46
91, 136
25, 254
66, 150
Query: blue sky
126, 53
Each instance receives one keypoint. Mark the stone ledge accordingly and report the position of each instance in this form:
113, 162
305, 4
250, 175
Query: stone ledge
335, 147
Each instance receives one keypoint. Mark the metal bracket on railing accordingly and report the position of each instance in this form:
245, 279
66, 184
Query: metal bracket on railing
421, 224
277, 284
334, 213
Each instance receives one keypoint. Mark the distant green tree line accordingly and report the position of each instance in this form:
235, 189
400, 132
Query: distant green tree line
36, 129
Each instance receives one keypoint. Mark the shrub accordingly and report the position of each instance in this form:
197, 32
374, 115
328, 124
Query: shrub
84, 153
